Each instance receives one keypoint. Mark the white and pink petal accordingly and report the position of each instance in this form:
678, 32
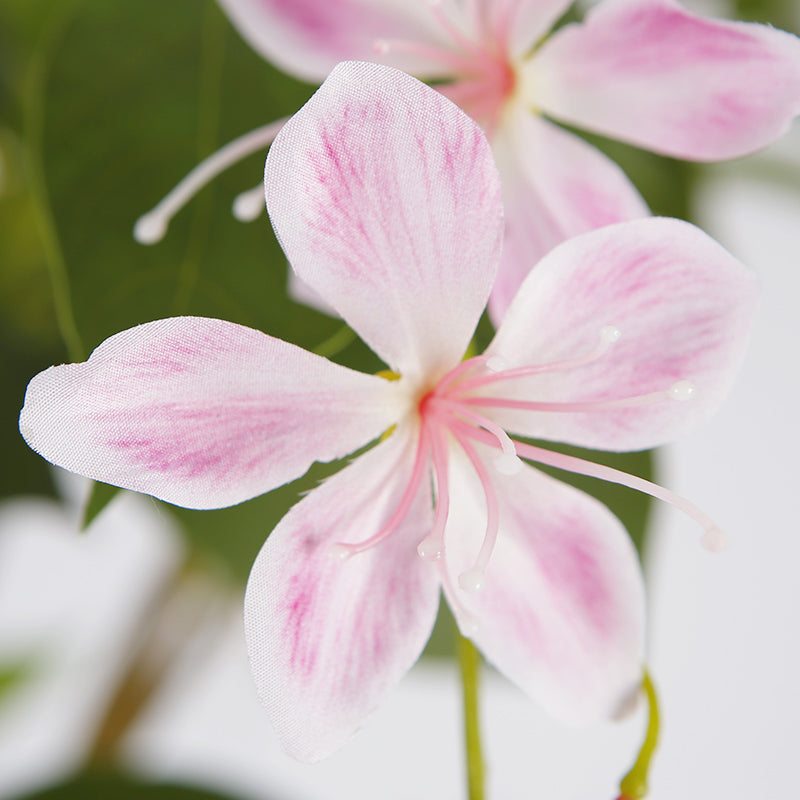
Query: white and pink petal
202, 413
683, 307
386, 200
307, 38
555, 186
327, 638
561, 609
654, 74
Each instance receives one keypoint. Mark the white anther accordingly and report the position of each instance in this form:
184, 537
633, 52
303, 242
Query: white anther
430, 549
249, 205
682, 391
508, 464
714, 540
150, 228
471, 580
496, 364
609, 334
339, 552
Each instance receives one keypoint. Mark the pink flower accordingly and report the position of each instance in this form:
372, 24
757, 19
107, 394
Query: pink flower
386, 200
647, 72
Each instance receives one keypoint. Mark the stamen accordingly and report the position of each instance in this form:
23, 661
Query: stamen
342, 551
472, 579
449, 379
713, 539
508, 462
608, 336
455, 34
439, 55
152, 226
680, 391
431, 548
249, 205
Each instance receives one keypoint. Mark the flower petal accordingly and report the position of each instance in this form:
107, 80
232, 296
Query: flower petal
651, 73
386, 200
555, 186
683, 306
522, 22
307, 38
561, 610
202, 413
328, 638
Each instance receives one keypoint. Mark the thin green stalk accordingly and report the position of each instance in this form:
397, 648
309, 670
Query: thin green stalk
470, 662
33, 98
634, 784
334, 344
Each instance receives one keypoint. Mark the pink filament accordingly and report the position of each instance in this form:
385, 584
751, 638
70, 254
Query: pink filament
599, 405
417, 471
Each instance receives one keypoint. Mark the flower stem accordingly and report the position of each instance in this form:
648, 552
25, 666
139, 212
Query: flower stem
634, 784
470, 662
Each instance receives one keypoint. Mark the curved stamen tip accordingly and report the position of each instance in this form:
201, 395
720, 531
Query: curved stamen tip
714, 540
248, 205
471, 580
496, 364
340, 552
430, 549
150, 228
508, 464
610, 334
682, 391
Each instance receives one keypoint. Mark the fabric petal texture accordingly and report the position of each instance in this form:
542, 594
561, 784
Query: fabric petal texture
555, 186
561, 611
683, 306
386, 200
202, 413
328, 638
307, 38
651, 73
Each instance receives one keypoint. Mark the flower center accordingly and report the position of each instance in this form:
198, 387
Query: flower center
457, 413
482, 76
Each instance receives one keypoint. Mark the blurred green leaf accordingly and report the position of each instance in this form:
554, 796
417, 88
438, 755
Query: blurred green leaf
100, 495
14, 675
113, 786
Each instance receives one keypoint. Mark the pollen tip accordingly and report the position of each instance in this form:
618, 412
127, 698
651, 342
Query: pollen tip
149, 228
610, 334
682, 391
339, 552
508, 464
430, 549
496, 364
714, 540
471, 580
248, 205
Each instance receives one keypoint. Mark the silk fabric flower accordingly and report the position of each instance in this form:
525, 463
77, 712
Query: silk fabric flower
386, 200
648, 72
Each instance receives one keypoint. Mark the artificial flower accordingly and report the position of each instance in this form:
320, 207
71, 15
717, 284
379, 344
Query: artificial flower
386, 200
648, 72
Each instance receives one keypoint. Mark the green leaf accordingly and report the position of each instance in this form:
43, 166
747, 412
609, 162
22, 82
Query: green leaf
100, 495
119, 786
13, 675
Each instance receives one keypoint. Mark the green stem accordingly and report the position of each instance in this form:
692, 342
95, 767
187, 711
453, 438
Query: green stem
33, 97
634, 784
470, 662
333, 345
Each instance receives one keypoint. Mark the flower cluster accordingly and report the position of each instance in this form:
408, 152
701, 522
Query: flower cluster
387, 201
